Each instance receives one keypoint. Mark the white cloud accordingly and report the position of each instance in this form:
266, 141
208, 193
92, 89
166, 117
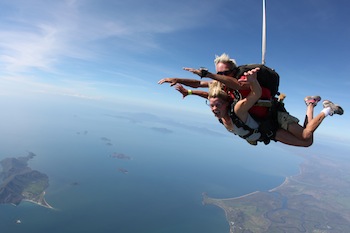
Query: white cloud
29, 49
24, 85
37, 34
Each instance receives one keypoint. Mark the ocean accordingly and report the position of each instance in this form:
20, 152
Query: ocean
158, 190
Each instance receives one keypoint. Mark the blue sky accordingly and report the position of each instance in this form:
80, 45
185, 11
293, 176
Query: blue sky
115, 51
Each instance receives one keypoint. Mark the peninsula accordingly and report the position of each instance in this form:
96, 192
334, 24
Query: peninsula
316, 200
20, 183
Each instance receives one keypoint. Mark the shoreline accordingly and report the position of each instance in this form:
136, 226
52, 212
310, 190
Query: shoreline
302, 196
286, 180
230, 198
37, 203
219, 202
41, 202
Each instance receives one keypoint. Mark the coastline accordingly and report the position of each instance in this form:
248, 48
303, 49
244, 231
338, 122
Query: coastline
285, 182
31, 201
230, 198
220, 202
41, 202
299, 202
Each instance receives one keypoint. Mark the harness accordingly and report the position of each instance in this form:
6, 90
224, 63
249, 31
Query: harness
267, 127
240, 124
236, 96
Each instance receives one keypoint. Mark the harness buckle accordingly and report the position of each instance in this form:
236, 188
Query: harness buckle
256, 130
269, 134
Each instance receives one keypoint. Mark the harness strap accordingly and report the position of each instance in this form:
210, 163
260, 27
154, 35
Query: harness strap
240, 124
267, 128
235, 95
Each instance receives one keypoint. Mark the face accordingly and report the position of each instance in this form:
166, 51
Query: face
223, 69
218, 107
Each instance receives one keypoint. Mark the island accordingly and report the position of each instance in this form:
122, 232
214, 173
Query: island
20, 183
315, 200
120, 156
123, 170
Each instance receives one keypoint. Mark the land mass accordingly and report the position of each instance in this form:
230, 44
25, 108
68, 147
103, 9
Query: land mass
315, 200
20, 183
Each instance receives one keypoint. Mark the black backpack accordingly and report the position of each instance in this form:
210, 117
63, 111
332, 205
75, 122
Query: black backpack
267, 77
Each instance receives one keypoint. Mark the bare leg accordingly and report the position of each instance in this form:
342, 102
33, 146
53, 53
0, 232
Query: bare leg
299, 136
311, 102
309, 114
288, 138
313, 125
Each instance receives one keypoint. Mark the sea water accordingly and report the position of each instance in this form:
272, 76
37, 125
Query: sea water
168, 170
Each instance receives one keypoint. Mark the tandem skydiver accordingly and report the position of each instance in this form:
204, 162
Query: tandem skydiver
279, 126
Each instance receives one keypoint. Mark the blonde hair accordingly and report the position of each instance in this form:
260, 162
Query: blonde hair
225, 58
216, 90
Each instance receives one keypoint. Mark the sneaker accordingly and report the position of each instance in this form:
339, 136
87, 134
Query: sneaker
312, 100
335, 109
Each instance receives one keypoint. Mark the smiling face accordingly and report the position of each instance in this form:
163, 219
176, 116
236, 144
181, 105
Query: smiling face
218, 107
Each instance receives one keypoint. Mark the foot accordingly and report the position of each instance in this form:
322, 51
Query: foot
335, 109
312, 100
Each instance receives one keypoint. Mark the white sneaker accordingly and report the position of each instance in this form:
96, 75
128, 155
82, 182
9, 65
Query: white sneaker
335, 109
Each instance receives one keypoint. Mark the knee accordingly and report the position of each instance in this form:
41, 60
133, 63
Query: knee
308, 138
308, 142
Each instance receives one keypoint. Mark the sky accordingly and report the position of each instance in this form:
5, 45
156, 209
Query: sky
113, 53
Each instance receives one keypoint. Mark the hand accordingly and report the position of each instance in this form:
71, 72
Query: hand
194, 71
249, 76
172, 81
182, 90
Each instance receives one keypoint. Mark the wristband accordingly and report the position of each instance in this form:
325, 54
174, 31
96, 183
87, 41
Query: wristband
204, 72
189, 92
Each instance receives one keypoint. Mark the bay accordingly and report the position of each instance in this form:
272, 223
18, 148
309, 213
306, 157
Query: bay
168, 170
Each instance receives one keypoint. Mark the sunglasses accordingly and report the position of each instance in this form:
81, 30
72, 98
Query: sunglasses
218, 104
226, 72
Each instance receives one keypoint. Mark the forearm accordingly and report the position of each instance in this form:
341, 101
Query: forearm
230, 82
255, 90
185, 92
202, 94
194, 83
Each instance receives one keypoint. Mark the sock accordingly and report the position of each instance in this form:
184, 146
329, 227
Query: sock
326, 111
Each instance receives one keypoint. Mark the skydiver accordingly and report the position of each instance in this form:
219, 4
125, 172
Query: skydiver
294, 135
290, 132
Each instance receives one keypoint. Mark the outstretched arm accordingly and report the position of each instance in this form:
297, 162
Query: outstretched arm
230, 82
185, 92
187, 82
242, 107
